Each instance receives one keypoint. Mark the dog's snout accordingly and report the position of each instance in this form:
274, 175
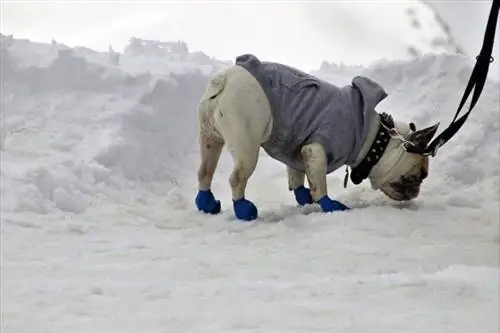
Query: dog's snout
412, 193
404, 190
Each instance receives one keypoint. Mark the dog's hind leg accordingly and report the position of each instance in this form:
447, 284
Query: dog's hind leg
245, 155
211, 144
210, 151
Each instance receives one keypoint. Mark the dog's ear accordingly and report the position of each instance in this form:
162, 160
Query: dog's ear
421, 138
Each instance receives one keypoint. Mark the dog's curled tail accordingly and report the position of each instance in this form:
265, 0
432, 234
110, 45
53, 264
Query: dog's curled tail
209, 99
208, 105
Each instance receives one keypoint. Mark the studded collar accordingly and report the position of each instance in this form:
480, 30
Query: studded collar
377, 149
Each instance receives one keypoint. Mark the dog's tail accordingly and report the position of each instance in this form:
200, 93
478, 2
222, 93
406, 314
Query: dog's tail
208, 105
213, 90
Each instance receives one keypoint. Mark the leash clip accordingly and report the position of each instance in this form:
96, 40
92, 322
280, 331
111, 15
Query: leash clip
481, 57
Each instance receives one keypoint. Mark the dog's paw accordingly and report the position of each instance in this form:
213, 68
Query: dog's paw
245, 210
303, 195
329, 205
205, 201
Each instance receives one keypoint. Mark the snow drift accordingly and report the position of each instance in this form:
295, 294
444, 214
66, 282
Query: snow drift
99, 119
99, 229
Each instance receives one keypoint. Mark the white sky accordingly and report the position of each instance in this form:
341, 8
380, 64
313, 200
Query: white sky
300, 34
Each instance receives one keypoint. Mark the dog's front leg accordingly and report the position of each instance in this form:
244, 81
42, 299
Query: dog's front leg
315, 162
296, 184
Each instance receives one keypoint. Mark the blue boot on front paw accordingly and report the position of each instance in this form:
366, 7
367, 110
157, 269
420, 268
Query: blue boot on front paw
303, 195
205, 201
244, 209
329, 205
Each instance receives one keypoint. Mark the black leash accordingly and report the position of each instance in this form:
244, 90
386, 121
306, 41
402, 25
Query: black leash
476, 81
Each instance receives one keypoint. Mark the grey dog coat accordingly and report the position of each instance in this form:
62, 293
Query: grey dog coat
308, 110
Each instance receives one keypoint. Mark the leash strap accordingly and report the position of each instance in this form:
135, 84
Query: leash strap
476, 82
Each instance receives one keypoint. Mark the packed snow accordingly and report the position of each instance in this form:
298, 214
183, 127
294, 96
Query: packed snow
100, 232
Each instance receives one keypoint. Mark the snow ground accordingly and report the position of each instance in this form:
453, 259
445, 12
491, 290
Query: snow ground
100, 232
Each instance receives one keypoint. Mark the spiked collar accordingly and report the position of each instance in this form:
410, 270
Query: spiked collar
377, 149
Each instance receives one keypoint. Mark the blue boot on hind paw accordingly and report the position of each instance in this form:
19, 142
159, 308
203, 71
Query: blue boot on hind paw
205, 201
303, 195
245, 210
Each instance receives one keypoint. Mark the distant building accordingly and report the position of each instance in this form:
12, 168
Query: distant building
145, 46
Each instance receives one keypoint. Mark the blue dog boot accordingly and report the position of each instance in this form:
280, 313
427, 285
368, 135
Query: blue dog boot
303, 195
205, 201
329, 205
245, 210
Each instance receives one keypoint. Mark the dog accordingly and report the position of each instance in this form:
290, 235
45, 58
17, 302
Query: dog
311, 126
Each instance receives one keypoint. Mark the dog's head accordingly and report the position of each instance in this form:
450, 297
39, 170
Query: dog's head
401, 170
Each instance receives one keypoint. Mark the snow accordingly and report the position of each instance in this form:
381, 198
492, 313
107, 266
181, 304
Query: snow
100, 232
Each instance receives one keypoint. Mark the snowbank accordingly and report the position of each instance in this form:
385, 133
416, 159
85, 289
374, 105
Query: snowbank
71, 126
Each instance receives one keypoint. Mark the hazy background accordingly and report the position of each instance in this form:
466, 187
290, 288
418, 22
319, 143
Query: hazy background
301, 34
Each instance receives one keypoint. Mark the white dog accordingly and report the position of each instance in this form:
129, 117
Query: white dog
311, 126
